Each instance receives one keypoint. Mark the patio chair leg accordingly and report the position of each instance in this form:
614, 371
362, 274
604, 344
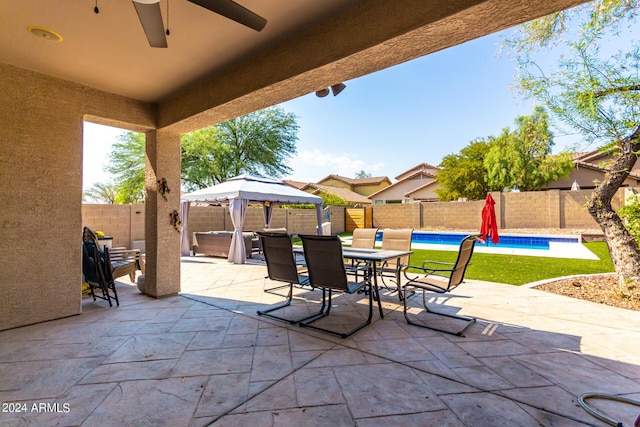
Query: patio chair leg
342, 334
469, 320
286, 303
274, 289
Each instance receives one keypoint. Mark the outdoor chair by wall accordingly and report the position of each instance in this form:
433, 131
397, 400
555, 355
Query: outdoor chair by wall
96, 268
326, 271
281, 266
440, 277
126, 262
395, 239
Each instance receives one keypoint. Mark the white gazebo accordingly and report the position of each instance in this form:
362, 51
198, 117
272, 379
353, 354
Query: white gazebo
238, 192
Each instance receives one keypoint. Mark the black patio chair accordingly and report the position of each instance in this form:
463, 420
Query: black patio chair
96, 268
281, 266
440, 277
325, 265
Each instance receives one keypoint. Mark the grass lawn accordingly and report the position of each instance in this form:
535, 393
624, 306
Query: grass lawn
518, 270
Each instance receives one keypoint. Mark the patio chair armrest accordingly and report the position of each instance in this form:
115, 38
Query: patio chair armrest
424, 271
430, 261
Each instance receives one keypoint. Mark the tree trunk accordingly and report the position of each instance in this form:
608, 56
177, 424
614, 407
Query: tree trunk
622, 246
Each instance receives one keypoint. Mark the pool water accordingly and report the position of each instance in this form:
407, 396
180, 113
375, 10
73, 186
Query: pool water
506, 241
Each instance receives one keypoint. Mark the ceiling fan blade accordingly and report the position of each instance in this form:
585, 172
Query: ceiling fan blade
151, 20
233, 11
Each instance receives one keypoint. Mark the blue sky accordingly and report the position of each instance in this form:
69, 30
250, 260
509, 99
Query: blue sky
387, 122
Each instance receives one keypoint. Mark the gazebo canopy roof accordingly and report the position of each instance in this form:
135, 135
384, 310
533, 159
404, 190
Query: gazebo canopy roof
254, 189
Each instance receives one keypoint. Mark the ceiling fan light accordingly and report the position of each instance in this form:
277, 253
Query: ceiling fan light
322, 92
45, 33
146, 1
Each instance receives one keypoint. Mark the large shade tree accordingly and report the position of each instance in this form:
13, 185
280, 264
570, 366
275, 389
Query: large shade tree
463, 175
257, 143
522, 158
594, 90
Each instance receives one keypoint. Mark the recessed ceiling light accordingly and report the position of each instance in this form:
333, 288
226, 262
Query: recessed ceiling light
45, 33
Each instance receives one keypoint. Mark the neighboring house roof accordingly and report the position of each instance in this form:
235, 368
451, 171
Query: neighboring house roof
582, 164
418, 172
344, 193
424, 167
357, 181
592, 159
295, 184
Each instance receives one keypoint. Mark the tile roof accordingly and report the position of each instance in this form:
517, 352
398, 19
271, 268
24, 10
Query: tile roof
343, 193
357, 181
417, 168
295, 184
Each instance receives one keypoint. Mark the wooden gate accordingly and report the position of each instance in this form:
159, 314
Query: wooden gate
358, 218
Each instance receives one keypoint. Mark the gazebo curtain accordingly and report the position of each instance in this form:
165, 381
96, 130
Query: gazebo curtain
184, 231
238, 211
267, 210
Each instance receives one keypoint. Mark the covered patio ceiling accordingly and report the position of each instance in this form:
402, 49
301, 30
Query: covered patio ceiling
215, 69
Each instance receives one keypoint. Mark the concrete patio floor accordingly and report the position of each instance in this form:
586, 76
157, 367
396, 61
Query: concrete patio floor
206, 358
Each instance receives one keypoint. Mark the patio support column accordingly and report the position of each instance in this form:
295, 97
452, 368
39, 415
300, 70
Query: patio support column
162, 276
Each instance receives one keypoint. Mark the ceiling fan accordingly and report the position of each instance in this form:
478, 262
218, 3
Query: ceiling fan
151, 17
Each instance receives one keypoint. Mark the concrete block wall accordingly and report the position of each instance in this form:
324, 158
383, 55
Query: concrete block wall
527, 210
397, 216
208, 218
124, 223
553, 209
137, 221
574, 211
302, 221
451, 215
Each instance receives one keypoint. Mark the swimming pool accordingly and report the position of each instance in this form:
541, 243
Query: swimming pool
513, 241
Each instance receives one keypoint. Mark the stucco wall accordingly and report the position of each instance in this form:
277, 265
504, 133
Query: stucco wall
41, 191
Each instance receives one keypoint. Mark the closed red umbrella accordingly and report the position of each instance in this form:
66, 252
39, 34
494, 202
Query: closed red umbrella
489, 227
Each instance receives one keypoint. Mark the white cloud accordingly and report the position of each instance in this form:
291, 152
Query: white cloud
313, 165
